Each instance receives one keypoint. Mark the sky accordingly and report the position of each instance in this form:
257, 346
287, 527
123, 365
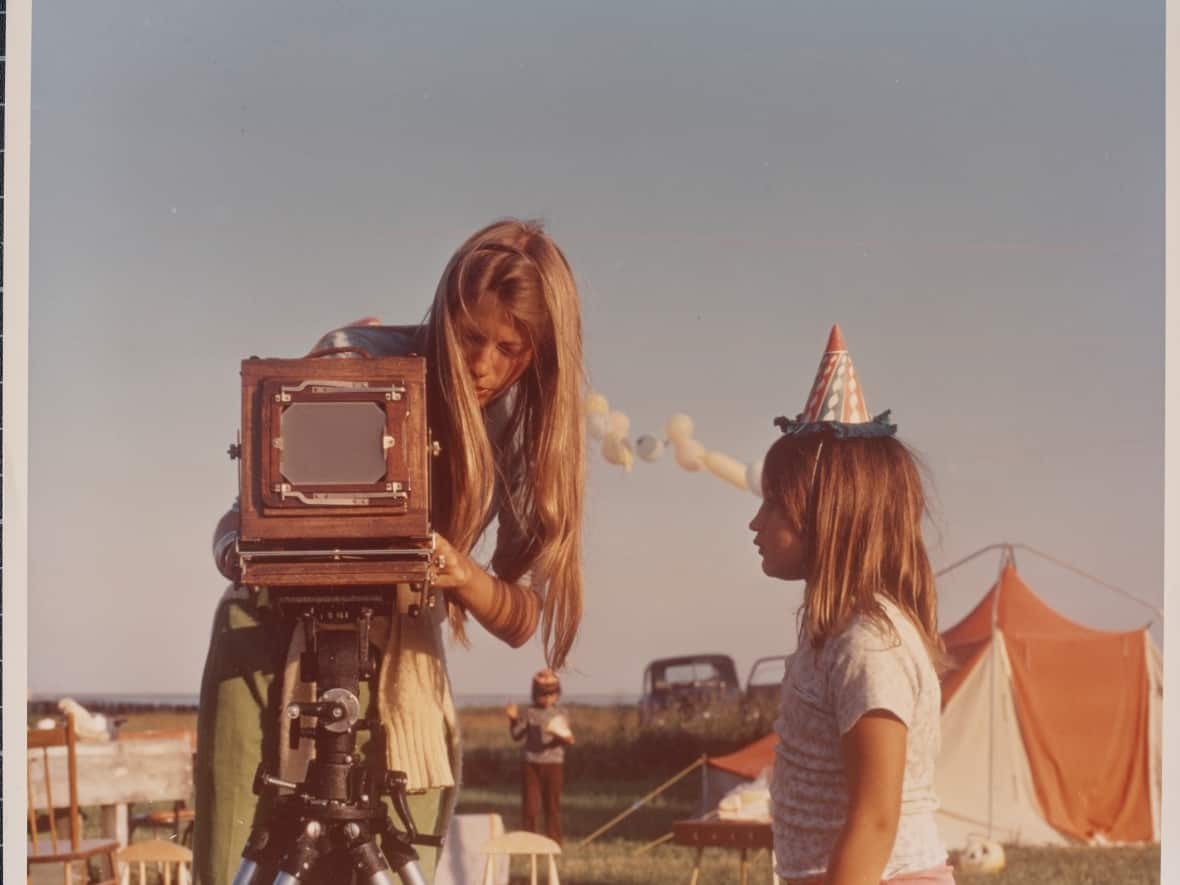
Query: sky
973, 192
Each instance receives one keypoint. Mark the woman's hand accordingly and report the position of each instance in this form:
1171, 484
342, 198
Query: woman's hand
507, 611
451, 568
513, 712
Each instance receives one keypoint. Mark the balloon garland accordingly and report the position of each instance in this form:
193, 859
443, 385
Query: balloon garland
611, 429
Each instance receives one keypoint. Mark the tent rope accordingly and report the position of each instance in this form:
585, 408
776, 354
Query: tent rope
635, 806
1009, 547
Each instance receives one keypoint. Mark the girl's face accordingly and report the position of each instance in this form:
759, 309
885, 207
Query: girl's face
547, 699
783, 549
494, 349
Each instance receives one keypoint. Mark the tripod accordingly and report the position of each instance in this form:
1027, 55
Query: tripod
324, 829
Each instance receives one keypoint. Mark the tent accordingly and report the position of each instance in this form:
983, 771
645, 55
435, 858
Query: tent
1051, 731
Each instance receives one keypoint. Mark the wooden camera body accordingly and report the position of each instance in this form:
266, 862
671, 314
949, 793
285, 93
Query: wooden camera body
334, 472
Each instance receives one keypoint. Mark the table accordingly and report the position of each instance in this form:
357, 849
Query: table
741, 835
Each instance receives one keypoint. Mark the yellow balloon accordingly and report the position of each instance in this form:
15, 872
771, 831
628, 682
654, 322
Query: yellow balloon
616, 450
679, 428
724, 467
596, 404
689, 454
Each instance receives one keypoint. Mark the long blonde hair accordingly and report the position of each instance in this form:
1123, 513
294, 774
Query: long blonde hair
858, 503
538, 456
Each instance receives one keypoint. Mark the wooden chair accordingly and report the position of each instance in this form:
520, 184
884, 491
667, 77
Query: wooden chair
521, 842
57, 850
162, 855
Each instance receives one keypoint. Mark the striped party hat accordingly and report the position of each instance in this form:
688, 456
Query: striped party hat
836, 404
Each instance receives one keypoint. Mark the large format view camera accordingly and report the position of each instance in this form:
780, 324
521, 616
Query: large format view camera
335, 472
335, 523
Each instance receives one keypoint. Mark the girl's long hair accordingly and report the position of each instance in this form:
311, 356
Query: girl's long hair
538, 456
858, 503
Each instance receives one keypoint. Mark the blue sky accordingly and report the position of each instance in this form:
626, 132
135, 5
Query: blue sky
975, 194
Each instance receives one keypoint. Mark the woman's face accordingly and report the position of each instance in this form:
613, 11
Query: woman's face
783, 549
494, 348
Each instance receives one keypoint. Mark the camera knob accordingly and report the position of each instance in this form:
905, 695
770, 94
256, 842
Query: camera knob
234, 451
435, 448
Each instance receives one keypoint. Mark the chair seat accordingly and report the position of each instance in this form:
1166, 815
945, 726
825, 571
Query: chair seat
86, 848
166, 817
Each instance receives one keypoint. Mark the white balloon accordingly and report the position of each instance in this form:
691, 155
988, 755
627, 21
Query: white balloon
597, 424
596, 404
649, 448
690, 454
618, 423
679, 428
754, 477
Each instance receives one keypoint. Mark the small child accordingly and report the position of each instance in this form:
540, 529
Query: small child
546, 733
852, 789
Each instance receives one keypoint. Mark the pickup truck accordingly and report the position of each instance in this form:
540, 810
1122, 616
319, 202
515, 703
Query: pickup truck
684, 688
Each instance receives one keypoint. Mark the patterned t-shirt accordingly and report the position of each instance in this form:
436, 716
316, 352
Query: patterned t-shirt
824, 693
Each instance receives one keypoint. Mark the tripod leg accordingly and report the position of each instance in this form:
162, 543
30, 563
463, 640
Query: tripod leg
247, 870
410, 875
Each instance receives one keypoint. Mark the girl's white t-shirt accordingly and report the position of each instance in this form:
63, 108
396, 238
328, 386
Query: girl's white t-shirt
823, 695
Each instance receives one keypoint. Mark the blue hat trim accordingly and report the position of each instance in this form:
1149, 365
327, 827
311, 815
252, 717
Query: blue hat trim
879, 426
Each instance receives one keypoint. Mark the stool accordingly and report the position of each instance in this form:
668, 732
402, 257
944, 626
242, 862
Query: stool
522, 842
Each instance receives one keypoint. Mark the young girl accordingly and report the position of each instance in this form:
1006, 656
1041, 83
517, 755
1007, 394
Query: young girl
505, 385
546, 733
852, 791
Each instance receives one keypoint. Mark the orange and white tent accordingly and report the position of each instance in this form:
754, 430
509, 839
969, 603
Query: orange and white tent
1051, 731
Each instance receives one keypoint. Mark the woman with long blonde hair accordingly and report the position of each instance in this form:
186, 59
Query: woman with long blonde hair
852, 790
505, 383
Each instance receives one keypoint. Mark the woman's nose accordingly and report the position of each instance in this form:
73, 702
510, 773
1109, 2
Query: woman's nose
480, 361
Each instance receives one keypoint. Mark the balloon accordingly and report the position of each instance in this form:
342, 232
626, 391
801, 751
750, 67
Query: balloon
596, 404
724, 467
689, 453
679, 428
596, 424
649, 448
617, 450
754, 477
618, 424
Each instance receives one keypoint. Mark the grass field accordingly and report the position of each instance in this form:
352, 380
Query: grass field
615, 763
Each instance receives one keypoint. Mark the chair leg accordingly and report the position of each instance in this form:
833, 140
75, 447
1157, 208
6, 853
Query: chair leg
552, 871
489, 871
532, 869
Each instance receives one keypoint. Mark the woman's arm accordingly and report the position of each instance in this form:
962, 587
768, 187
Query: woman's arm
225, 538
874, 767
508, 611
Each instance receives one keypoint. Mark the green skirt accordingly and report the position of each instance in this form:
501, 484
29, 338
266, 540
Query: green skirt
237, 728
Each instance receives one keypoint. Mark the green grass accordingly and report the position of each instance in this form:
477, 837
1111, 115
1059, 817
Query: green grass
615, 763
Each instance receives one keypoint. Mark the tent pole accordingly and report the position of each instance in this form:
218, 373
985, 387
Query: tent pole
991, 694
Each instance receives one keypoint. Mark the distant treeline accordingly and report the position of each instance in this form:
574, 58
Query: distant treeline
48, 707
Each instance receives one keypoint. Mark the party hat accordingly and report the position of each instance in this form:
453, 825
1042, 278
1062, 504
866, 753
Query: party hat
836, 404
